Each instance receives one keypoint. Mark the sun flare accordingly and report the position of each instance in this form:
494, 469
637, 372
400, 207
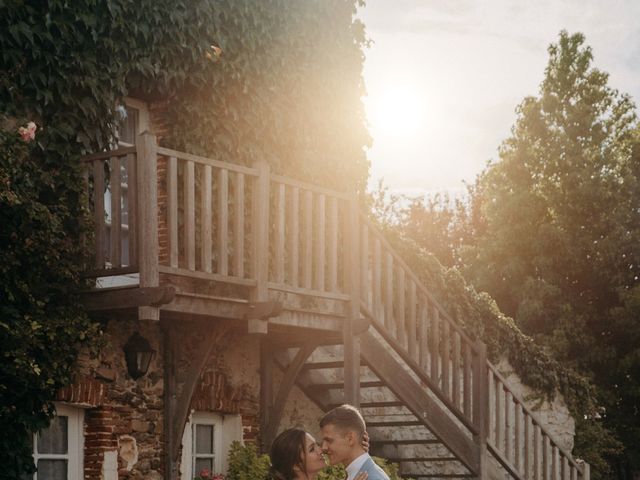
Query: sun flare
399, 111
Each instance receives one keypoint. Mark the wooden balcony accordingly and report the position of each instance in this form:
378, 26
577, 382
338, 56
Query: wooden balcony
180, 236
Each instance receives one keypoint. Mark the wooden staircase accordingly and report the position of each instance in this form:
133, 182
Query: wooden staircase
231, 241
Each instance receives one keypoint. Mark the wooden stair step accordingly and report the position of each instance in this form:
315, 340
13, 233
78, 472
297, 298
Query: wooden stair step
422, 459
416, 476
340, 385
413, 441
381, 404
326, 365
397, 423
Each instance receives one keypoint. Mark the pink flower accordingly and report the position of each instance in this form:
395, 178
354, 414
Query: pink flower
204, 473
29, 133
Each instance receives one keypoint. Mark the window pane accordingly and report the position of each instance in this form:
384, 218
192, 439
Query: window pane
54, 439
129, 126
52, 469
202, 463
204, 439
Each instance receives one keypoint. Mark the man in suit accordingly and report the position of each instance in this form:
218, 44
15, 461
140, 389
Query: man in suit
342, 431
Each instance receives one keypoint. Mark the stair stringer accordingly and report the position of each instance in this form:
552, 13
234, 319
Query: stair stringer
383, 364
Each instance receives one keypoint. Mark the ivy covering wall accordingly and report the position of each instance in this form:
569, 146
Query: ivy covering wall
288, 90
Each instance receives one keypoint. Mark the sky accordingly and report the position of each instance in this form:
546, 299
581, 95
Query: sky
444, 77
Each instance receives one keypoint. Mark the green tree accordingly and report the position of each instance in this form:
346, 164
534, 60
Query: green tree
560, 250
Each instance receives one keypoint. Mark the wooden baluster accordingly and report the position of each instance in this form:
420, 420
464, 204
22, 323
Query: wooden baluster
545, 456
434, 332
333, 244
507, 424
307, 245
564, 468
423, 351
554, 462
223, 222
98, 212
294, 237
518, 433
377, 278
574, 473
388, 294
491, 402
586, 471
445, 347
190, 214
536, 451
401, 320
132, 204
498, 412
116, 213
481, 408
364, 265
238, 226
280, 232
456, 368
320, 242
206, 241
527, 445
172, 210
411, 322
466, 380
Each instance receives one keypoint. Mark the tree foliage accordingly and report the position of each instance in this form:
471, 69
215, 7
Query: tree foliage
552, 232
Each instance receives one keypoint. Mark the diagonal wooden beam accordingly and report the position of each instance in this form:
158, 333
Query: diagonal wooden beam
290, 375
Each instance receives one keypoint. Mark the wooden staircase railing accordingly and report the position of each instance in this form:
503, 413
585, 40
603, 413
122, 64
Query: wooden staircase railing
213, 220
455, 367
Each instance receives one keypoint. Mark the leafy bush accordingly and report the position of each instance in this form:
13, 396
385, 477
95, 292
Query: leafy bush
246, 464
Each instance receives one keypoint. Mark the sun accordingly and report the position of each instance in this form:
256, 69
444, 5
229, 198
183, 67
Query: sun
398, 111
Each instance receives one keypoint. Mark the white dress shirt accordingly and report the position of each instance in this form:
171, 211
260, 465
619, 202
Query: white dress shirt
354, 467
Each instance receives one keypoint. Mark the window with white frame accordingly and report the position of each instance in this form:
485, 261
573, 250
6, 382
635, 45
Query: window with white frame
57, 450
134, 121
206, 442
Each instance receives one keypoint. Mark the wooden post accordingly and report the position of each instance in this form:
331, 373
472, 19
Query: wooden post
171, 465
260, 250
481, 409
147, 195
266, 392
586, 471
351, 342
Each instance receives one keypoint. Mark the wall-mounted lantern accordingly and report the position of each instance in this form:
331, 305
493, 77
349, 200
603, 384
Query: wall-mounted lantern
138, 354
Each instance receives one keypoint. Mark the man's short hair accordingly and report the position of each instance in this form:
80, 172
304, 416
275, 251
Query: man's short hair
345, 417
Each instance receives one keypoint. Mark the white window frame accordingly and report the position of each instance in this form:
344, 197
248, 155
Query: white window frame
143, 116
227, 428
75, 447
